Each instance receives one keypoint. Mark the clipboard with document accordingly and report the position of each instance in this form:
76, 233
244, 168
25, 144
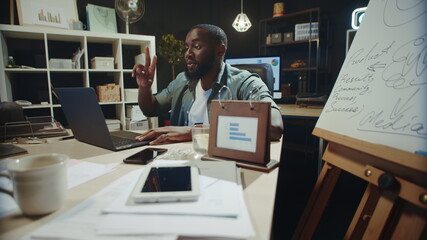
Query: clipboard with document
240, 131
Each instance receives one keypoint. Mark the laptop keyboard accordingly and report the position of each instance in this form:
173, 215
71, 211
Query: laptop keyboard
125, 134
120, 141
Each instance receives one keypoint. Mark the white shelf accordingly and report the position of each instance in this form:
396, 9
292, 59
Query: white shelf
24, 70
35, 46
33, 106
105, 71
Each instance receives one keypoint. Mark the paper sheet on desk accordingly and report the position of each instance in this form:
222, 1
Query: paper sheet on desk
193, 226
86, 220
80, 222
78, 172
181, 219
219, 194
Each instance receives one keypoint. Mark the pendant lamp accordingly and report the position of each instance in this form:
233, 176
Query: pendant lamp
241, 23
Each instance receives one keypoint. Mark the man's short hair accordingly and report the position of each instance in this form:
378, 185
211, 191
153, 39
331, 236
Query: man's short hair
216, 31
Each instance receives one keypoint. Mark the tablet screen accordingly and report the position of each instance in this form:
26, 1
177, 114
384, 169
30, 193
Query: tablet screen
168, 179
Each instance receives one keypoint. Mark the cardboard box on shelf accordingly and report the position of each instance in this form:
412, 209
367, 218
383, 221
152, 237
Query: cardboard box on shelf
276, 38
106, 63
108, 93
137, 125
131, 94
113, 124
134, 113
58, 63
288, 37
140, 59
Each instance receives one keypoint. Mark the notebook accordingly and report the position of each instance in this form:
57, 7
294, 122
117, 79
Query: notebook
86, 120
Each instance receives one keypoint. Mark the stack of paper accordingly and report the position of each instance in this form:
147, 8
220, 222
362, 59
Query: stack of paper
219, 212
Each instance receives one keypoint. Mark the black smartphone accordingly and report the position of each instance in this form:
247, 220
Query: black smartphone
145, 156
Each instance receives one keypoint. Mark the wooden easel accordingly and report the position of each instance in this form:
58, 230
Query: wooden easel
394, 205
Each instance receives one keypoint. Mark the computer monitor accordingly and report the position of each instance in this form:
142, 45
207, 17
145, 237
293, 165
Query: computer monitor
275, 65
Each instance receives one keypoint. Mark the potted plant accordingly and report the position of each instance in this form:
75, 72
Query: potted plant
172, 50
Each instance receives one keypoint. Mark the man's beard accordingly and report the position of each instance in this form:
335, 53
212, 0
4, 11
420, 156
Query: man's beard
203, 67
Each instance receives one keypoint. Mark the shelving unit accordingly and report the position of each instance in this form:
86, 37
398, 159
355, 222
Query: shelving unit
34, 47
303, 79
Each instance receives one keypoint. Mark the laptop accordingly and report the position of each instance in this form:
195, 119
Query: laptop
86, 120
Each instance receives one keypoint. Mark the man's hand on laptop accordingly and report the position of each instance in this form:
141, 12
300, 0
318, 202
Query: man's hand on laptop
165, 135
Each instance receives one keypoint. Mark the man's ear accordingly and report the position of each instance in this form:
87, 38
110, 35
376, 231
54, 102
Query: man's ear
220, 50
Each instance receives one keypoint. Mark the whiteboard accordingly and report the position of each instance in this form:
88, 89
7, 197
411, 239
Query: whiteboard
380, 95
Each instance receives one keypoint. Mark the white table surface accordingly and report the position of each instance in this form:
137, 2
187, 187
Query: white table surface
259, 187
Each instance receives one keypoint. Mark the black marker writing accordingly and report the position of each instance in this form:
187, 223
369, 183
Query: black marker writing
408, 64
375, 66
346, 78
359, 57
397, 121
362, 90
400, 12
335, 107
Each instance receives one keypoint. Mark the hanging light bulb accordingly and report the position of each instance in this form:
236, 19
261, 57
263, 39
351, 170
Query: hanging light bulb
241, 23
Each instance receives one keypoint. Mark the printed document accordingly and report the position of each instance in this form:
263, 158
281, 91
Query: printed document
88, 220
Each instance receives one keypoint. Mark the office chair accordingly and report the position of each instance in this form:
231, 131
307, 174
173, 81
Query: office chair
264, 70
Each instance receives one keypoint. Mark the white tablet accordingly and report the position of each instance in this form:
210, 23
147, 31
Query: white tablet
167, 184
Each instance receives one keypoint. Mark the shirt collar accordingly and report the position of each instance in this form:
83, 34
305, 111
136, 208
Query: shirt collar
220, 74
222, 78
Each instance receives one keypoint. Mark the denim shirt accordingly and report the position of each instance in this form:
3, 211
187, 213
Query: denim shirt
180, 93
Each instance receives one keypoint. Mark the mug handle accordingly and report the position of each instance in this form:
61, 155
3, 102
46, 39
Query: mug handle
5, 190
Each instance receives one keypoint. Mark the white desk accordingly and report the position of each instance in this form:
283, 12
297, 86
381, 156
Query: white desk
259, 188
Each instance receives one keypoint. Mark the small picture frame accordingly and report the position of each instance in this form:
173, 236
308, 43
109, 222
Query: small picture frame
49, 13
240, 131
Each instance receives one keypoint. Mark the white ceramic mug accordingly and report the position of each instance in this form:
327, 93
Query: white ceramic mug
39, 182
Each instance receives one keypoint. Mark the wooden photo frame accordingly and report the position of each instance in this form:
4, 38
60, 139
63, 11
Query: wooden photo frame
240, 131
49, 13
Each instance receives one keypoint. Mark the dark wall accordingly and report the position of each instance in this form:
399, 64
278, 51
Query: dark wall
176, 17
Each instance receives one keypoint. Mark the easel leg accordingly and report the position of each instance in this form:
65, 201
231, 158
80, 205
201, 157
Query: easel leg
412, 223
385, 207
317, 202
364, 212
